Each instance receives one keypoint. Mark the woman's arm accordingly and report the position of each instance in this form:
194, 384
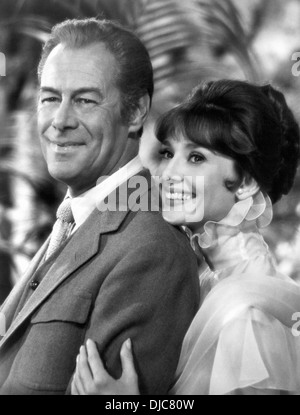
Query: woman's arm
91, 377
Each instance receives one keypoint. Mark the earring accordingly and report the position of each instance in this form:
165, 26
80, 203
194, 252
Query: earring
240, 192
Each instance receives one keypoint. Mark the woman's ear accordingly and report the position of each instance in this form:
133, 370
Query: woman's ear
248, 188
140, 115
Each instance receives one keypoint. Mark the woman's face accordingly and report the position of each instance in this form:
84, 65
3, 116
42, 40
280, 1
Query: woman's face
193, 183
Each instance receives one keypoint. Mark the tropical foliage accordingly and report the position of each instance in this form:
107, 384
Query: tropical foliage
188, 42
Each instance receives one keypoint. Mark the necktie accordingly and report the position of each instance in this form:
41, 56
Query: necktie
62, 227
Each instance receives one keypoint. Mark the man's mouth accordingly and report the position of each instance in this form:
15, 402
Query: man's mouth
64, 147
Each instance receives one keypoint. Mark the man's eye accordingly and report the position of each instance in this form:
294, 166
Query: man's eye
49, 100
197, 158
85, 101
166, 154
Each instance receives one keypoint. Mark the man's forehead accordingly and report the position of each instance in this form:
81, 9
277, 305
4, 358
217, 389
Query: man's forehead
95, 48
92, 67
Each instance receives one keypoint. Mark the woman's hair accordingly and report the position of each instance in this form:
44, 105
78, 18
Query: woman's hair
250, 124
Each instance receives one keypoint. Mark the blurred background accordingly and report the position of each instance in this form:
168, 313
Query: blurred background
188, 41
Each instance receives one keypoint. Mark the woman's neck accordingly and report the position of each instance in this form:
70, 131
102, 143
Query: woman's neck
236, 238
234, 245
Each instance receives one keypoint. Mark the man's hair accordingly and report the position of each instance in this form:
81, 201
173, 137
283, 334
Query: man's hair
134, 69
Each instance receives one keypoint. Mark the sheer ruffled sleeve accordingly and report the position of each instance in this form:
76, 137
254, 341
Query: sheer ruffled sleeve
241, 340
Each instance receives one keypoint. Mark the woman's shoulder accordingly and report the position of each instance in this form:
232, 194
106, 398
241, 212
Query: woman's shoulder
242, 336
242, 298
255, 349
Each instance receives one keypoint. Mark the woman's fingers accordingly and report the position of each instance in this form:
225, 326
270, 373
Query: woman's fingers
77, 383
127, 359
129, 376
99, 372
91, 377
85, 377
74, 387
74, 390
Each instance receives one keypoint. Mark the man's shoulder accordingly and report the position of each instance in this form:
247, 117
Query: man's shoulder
150, 227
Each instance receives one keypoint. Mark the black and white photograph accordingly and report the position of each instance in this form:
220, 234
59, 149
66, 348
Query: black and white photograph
149, 200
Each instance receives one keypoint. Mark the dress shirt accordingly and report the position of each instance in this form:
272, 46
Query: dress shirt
84, 204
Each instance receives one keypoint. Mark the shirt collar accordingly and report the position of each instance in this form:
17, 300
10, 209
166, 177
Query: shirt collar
84, 204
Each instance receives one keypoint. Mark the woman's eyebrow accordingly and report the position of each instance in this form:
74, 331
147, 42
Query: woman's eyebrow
199, 146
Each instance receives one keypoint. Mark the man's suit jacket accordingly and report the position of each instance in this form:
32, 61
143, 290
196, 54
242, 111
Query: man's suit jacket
121, 275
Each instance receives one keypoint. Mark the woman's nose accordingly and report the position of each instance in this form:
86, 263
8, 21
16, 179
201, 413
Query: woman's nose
173, 172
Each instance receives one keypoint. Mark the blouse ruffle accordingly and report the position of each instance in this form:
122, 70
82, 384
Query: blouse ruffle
257, 208
242, 339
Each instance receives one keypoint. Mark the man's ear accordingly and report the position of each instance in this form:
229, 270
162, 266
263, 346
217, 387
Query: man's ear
140, 115
248, 188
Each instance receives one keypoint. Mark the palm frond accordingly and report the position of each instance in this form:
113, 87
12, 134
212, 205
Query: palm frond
125, 11
187, 41
224, 29
40, 35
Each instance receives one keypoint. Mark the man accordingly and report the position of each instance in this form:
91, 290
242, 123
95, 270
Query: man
121, 273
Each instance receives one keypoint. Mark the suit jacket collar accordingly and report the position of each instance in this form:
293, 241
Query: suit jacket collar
11, 303
71, 258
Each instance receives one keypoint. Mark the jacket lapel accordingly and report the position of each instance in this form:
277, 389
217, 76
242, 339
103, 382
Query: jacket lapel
78, 251
11, 303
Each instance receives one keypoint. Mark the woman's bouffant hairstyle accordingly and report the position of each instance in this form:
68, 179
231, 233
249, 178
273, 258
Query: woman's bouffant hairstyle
250, 124
134, 68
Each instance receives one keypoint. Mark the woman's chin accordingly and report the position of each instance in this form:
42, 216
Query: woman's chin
174, 218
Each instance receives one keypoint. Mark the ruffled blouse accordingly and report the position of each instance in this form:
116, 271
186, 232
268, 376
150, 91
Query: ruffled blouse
244, 338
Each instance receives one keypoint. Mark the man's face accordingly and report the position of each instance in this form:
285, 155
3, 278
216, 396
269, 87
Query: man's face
80, 127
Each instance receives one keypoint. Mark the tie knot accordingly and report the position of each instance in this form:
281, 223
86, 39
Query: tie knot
64, 212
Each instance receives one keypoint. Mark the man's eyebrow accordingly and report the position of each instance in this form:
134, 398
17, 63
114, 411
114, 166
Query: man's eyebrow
49, 89
75, 92
87, 90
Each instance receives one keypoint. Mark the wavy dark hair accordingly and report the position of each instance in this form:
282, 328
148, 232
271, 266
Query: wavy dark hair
251, 124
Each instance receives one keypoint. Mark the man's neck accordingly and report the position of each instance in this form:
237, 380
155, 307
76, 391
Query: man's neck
75, 192
130, 153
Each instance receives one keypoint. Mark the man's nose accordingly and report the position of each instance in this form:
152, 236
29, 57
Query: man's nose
65, 117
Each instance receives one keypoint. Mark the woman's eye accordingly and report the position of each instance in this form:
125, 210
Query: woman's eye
197, 158
165, 154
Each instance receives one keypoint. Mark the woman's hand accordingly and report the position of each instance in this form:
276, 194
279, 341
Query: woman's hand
91, 378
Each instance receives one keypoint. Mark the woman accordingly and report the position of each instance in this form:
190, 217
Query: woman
227, 154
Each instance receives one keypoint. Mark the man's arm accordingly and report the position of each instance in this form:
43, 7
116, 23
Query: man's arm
150, 297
